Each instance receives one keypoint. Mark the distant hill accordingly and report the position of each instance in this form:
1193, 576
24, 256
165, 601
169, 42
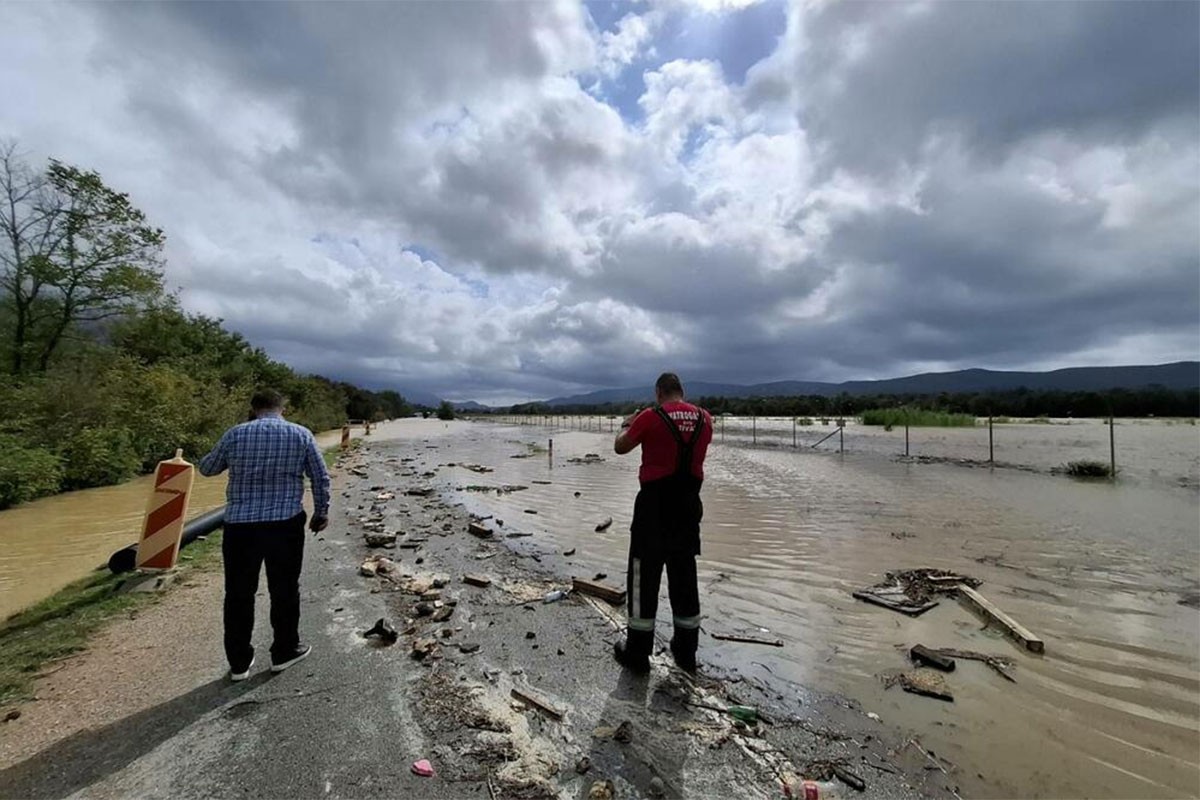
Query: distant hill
470, 405
419, 398
1179, 375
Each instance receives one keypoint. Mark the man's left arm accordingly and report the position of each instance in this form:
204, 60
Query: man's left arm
318, 476
630, 435
217, 461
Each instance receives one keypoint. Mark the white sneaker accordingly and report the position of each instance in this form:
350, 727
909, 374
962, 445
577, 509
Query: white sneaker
241, 676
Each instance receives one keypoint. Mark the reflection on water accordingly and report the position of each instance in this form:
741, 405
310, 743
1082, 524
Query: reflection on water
1097, 570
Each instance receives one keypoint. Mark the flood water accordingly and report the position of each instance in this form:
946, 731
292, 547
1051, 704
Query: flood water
46, 544
1095, 569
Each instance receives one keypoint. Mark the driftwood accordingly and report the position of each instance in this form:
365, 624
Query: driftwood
898, 602
1010, 626
604, 525
600, 590
746, 639
475, 529
1000, 665
477, 580
922, 655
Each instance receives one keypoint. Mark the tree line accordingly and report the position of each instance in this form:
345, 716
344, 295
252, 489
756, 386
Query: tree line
102, 373
1151, 401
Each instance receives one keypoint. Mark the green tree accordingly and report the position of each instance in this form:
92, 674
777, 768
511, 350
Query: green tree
445, 410
74, 252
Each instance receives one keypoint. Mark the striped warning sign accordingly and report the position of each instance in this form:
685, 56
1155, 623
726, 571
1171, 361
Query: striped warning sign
158, 547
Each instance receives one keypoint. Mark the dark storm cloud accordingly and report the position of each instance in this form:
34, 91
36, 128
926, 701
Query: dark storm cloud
880, 77
895, 186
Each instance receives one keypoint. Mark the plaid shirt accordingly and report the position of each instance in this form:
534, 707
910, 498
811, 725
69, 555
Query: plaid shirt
267, 460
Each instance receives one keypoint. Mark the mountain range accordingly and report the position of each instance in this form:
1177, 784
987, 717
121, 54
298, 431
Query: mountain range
1177, 375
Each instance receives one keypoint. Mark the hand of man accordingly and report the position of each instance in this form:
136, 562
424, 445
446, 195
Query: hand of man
629, 420
318, 524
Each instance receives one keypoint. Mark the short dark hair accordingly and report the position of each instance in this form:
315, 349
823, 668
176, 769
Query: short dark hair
266, 400
668, 383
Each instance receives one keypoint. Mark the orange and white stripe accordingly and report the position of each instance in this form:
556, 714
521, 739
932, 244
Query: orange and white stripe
162, 528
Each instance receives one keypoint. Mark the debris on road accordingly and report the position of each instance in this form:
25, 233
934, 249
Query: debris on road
423, 768
607, 593
570, 552
376, 565
922, 681
469, 647
724, 637
423, 491
529, 698
477, 580
657, 788
383, 631
554, 596
911, 591
604, 525
624, 732
442, 614
475, 529
1010, 626
998, 663
602, 790
380, 539
923, 656
584, 764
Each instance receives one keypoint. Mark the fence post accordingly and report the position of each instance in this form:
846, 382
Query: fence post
722, 428
1112, 447
842, 439
793, 431
753, 429
991, 443
906, 438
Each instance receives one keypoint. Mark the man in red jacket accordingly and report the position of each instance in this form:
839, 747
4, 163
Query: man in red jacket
674, 436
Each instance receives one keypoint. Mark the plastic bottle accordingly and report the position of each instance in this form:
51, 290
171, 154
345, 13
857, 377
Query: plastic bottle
555, 596
813, 790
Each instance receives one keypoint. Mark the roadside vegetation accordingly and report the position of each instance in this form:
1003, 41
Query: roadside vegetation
102, 373
33, 641
1088, 469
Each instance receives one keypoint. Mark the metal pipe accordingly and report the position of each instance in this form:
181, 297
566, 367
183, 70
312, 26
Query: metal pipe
125, 559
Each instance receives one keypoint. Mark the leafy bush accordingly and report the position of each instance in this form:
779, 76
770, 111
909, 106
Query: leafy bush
26, 473
99, 457
445, 410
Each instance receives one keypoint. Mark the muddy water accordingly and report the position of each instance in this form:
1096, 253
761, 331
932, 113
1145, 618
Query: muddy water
1097, 570
46, 544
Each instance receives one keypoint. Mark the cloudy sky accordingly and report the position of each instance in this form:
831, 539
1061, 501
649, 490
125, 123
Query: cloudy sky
507, 200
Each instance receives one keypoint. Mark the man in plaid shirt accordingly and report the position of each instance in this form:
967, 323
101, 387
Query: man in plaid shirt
267, 459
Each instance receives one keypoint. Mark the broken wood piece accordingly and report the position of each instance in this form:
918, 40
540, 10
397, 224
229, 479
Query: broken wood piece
849, 778
746, 639
923, 656
997, 663
600, 590
477, 580
910, 608
529, 698
1013, 628
926, 683
604, 525
475, 529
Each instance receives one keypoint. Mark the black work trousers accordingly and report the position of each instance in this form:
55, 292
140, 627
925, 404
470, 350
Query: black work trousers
245, 547
643, 581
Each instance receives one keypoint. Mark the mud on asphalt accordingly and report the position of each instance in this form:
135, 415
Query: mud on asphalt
521, 699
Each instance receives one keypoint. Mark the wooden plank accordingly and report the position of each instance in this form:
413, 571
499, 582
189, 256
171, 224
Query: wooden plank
903, 608
747, 639
921, 654
529, 698
604, 592
1013, 628
477, 580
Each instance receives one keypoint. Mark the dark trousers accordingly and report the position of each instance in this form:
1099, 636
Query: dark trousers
245, 547
643, 581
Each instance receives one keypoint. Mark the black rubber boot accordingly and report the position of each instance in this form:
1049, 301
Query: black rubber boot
634, 653
683, 648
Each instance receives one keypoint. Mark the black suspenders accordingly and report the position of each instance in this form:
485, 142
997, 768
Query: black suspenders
685, 449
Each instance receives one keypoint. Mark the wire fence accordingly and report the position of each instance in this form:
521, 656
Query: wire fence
1087, 447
